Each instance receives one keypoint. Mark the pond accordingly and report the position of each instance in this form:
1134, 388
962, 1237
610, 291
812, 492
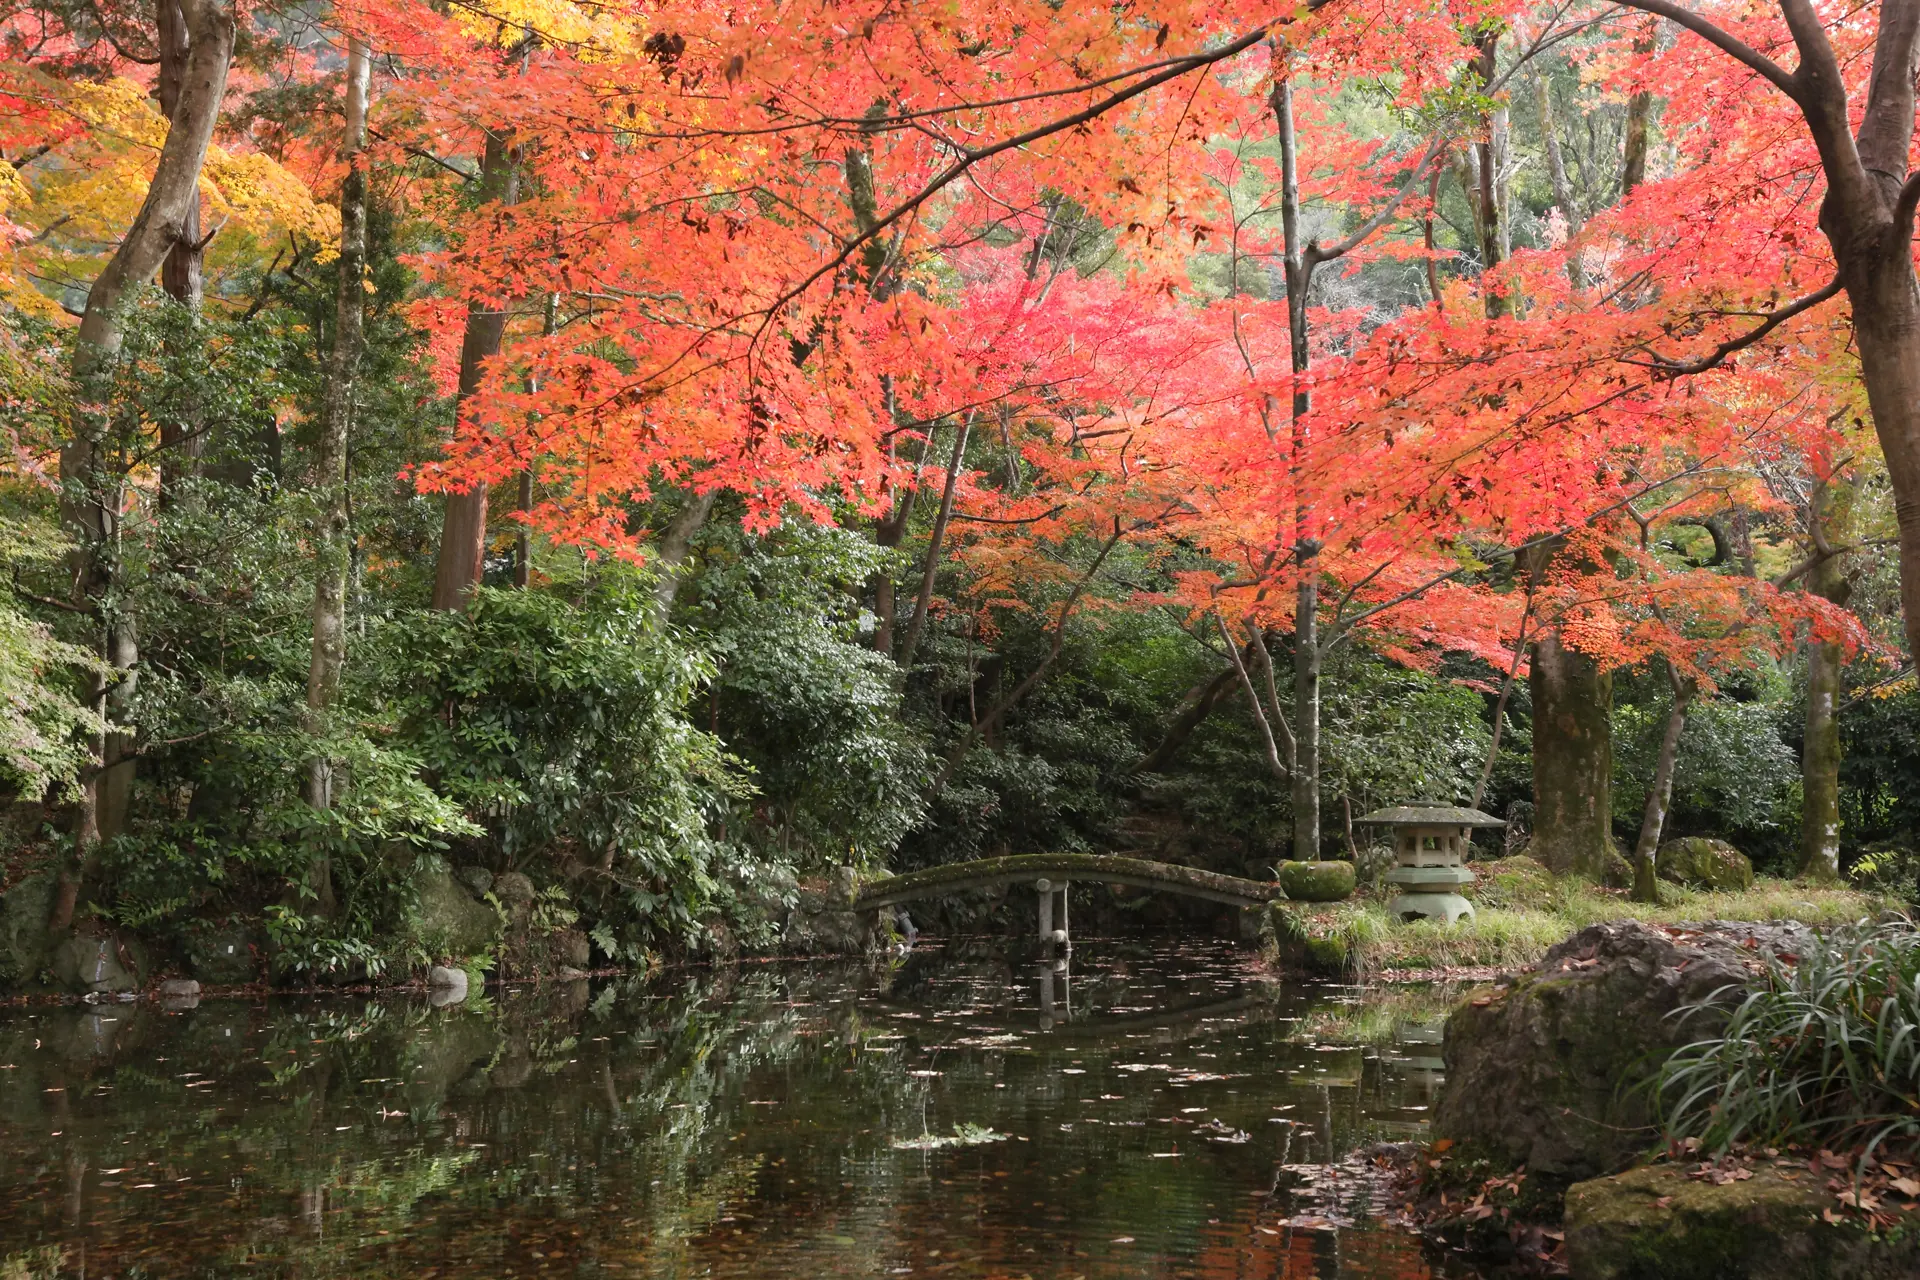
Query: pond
969, 1110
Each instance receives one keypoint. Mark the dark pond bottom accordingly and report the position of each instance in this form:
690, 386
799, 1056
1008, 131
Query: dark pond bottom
1156, 1111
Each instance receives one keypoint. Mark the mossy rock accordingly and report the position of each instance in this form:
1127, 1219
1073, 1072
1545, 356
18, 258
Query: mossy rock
448, 923
1704, 863
23, 931
1656, 1223
1317, 881
1513, 884
1318, 938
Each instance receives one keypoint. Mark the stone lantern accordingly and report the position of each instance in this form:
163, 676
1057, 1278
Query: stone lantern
1430, 843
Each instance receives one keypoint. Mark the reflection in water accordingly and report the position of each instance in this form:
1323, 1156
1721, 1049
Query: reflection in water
1151, 1111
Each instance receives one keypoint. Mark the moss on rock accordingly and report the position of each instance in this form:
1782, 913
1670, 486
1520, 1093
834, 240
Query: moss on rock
1656, 1223
23, 931
1317, 881
1323, 938
448, 923
1704, 863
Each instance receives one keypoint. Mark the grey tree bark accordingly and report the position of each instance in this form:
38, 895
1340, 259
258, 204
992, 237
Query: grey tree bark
182, 441
1830, 520
92, 500
1572, 759
916, 627
331, 537
1660, 790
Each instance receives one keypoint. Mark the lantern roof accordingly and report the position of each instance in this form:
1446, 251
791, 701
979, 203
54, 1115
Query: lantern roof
1430, 813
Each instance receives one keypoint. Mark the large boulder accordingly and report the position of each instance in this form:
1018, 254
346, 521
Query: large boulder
1546, 1070
1317, 881
1657, 1223
448, 923
23, 931
1702, 862
96, 964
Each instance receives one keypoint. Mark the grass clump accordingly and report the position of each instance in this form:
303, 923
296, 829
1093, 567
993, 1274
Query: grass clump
1825, 1052
1521, 910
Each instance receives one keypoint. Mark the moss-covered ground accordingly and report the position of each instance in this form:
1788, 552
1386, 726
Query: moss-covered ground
1520, 911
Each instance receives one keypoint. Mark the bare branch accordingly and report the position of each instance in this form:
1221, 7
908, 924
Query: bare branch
1723, 40
1670, 368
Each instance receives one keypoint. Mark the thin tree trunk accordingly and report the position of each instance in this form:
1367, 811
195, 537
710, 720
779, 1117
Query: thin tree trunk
332, 551
1306, 710
1563, 197
1304, 777
182, 440
91, 501
1633, 157
463, 530
1194, 710
523, 497
1487, 148
672, 547
1830, 518
924, 601
1660, 792
1500, 704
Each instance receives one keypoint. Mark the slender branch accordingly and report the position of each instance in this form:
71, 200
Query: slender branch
1670, 368
1253, 699
1315, 254
1903, 208
1500, 706
924, 602
971, 156
1259, 640
1721, 39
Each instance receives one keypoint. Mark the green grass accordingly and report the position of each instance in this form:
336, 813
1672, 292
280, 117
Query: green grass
1521, 911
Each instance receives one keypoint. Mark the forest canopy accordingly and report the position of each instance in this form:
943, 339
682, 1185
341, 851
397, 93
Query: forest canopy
673, 451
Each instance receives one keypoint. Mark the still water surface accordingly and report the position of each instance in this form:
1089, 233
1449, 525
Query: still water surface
1158, 1110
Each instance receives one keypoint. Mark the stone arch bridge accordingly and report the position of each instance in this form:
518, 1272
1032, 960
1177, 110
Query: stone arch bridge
1051, 873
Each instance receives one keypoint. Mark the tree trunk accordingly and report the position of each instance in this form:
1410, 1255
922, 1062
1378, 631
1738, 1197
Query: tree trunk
1830, 517
671, 549
523, 498
1633, 160
182, 441
1304, 777
91, 501
1660, 792
924, 601
1572, 759
331, 537
1887, 332
1306, 713
1487, 202
1556, 158
1633, 155
463, 531
1194, 710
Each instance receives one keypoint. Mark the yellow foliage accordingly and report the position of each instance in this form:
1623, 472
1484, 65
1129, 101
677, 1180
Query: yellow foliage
94, 186
561, 21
